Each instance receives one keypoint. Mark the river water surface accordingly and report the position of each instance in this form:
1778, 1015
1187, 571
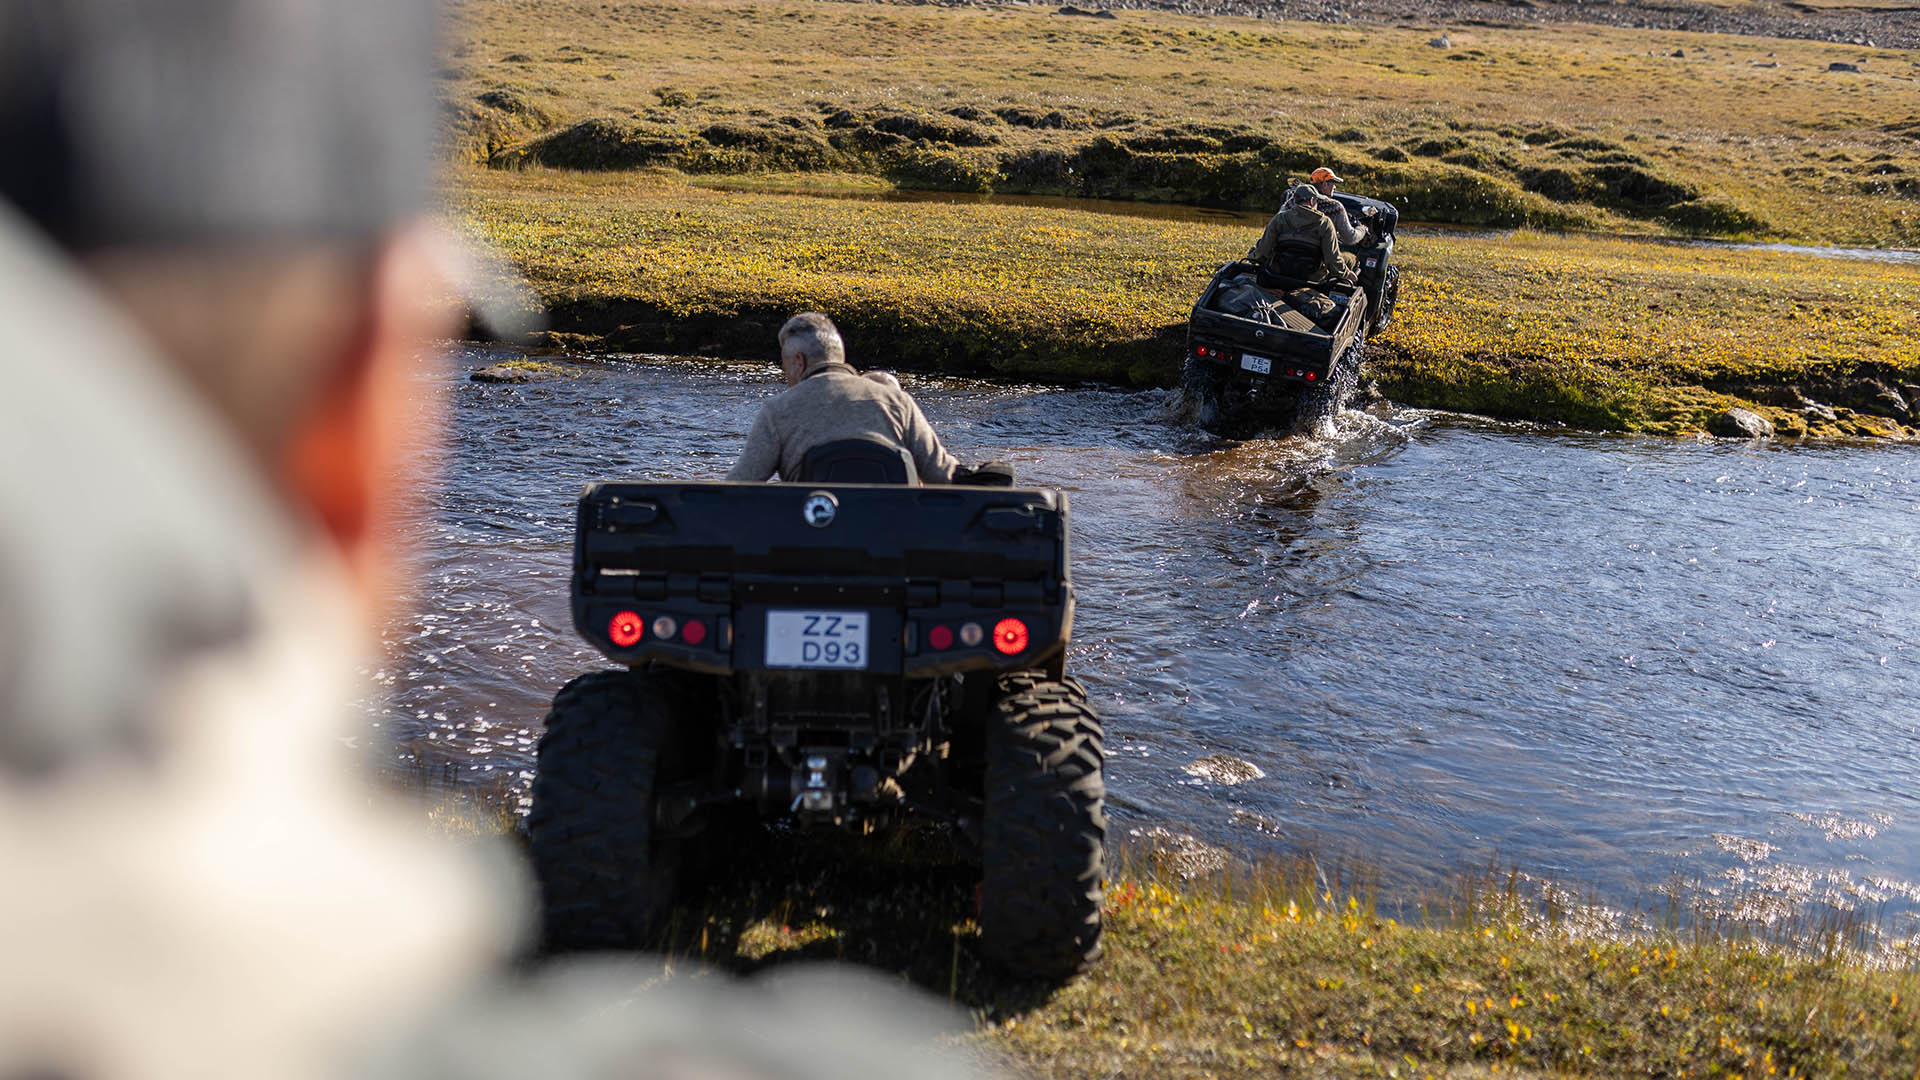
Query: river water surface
1446, 645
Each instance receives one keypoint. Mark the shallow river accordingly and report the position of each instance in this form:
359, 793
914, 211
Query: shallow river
1448, 645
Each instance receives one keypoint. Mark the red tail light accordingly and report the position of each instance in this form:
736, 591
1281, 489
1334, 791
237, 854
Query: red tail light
940, 637
694, 632
624, 629
1309, 376
1010, 636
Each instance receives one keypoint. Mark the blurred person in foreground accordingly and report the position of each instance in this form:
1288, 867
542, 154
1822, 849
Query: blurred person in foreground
216, 280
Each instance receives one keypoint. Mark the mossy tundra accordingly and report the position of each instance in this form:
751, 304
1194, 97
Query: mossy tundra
1591, 332
1550, 127
591, 133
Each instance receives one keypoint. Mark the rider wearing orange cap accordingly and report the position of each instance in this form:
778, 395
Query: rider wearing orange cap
1323, 180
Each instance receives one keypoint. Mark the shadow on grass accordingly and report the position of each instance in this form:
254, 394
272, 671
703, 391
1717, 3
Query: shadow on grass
900, 901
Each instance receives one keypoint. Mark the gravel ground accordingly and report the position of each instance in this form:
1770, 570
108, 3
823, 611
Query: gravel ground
1892, 28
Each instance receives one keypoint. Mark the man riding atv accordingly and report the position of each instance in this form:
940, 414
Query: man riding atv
1324, 180
847, 649
828, 403
1301, 244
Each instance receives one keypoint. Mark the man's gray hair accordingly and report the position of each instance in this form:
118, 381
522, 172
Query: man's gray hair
814, 337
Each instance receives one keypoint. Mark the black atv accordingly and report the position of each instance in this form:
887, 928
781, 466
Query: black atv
1267, 347
831, 655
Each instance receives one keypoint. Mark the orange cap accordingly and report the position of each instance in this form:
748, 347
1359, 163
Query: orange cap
1324, 173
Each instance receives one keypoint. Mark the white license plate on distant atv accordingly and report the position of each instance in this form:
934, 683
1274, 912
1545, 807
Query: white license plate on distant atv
817, 639
1261, 364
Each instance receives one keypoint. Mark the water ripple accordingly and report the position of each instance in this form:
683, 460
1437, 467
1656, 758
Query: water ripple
1442, 641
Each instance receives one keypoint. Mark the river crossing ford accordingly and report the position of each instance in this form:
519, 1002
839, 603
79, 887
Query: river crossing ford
1429, 645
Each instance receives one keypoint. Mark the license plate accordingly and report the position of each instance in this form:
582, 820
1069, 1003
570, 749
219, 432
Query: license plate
1261, 364
817, 639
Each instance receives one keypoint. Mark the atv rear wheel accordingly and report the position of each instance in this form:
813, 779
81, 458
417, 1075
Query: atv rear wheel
1204, 386
606, 873
1044, 832
1216, 402
1320, 404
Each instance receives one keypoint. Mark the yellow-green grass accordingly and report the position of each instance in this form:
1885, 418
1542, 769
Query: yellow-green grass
1736, 136
1598, 333
1270, 971
1196, 983
1274, 970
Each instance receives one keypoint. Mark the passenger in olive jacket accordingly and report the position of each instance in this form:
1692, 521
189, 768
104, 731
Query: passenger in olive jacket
1300, 221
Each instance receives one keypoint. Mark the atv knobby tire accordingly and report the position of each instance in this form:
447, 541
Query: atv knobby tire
1320, 404
1044, 833
1204, 387
606, 874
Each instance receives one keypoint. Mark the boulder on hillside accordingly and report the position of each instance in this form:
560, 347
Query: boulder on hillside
1741, 424
1818, 411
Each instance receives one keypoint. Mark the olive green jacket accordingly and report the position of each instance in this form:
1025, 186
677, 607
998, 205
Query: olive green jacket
1300, 221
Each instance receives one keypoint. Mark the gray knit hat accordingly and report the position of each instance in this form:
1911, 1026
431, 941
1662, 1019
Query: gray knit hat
152, 122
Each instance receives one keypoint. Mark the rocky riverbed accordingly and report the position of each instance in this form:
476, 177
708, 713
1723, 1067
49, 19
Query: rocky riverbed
1864, 25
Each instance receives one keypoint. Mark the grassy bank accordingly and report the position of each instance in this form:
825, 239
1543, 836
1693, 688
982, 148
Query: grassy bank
1200, 983
1596, 333
1273, 972
1560, 126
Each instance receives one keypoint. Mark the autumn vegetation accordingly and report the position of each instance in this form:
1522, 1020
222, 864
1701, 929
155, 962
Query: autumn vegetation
1567, 126
1588, 331
644, 166
1296, 968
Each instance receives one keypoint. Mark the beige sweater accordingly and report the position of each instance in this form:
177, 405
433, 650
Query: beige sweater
836, 402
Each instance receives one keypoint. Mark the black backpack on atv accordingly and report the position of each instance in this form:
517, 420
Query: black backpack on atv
1294, 262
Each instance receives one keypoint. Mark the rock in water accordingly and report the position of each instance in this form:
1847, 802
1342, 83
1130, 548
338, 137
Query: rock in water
501, 373
1740, 424
1224, 769
1173, 854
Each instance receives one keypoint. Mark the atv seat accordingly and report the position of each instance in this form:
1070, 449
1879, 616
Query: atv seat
856, 461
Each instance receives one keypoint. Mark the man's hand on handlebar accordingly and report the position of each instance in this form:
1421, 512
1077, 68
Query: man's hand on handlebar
986, 474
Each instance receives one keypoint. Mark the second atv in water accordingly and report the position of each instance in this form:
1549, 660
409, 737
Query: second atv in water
1269, 349
834, 655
